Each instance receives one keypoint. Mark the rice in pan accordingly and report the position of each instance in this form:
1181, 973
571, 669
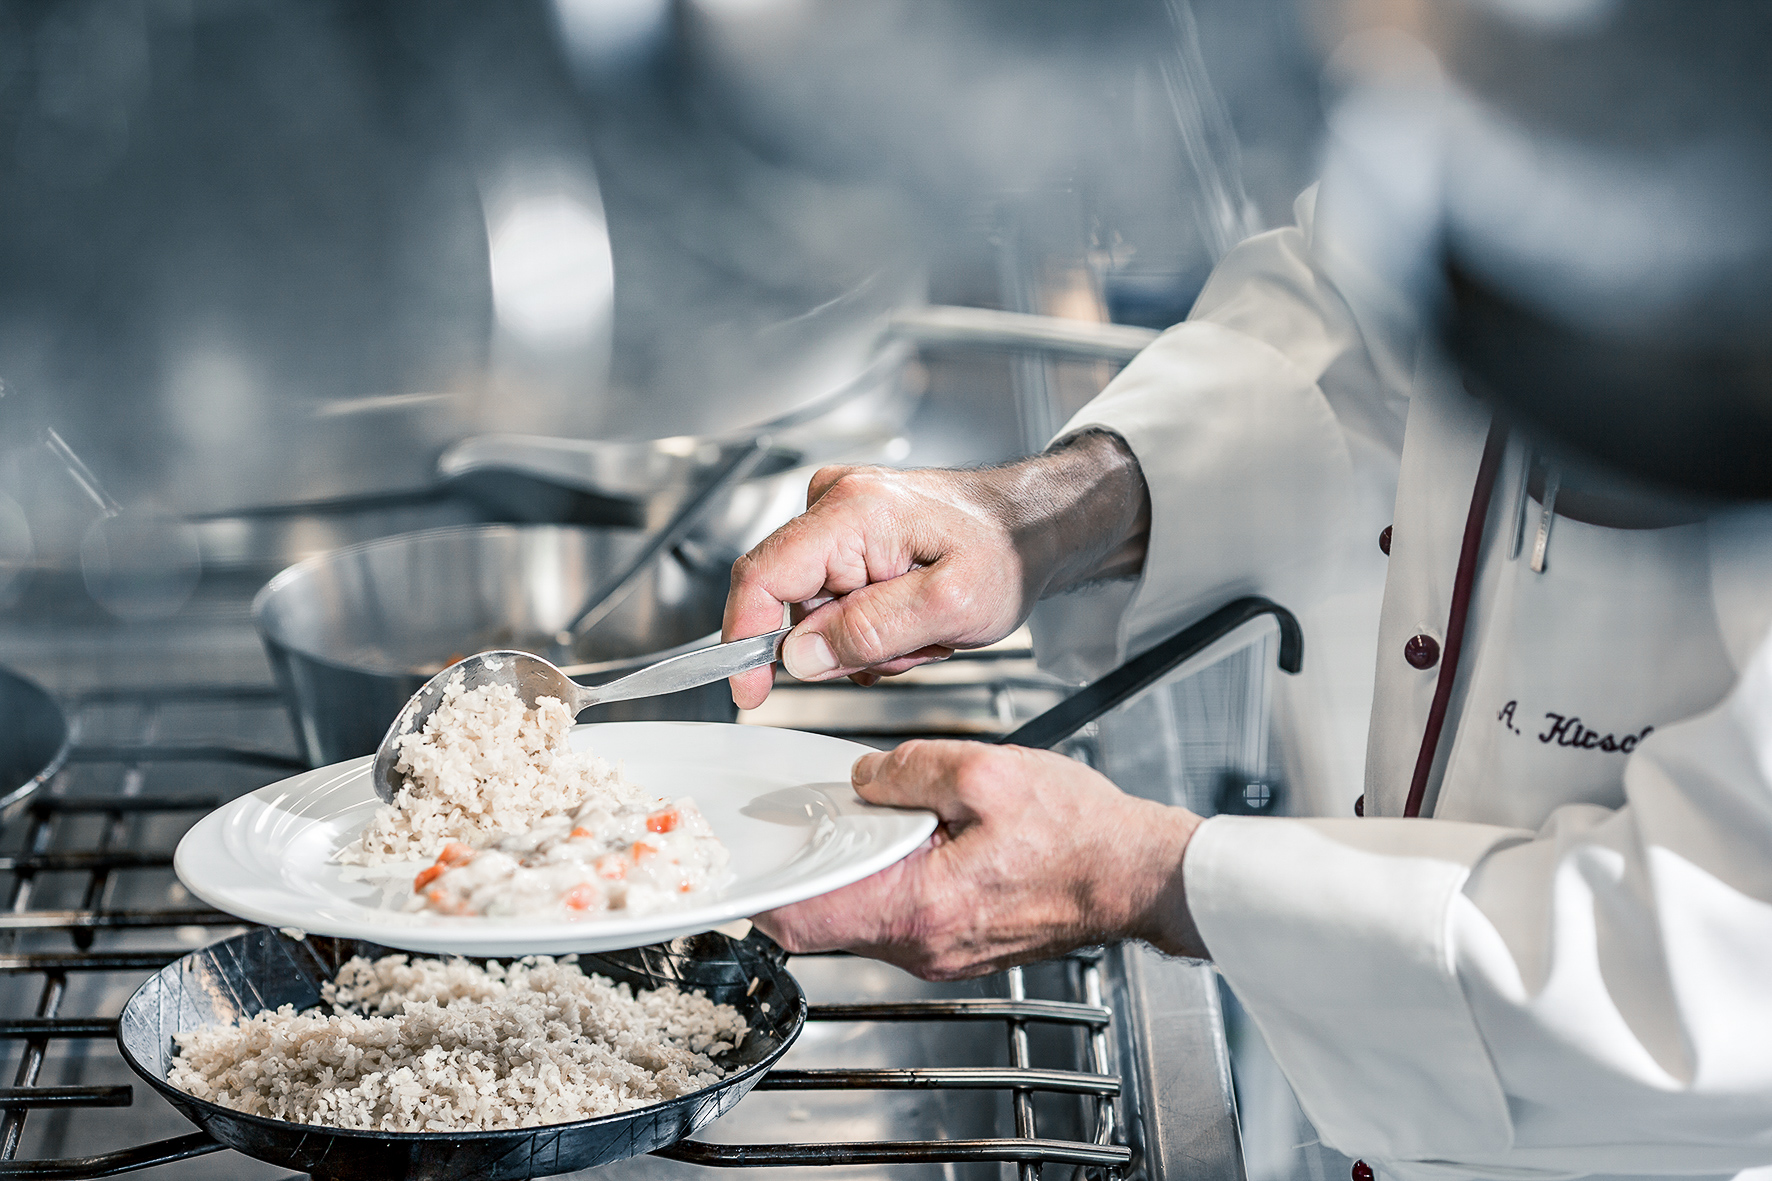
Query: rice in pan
405, 1045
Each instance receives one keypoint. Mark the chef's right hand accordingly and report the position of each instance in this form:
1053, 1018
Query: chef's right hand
893, 569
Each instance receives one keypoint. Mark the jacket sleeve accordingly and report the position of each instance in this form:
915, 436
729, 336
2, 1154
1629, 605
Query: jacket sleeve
1267, 428
1437, 991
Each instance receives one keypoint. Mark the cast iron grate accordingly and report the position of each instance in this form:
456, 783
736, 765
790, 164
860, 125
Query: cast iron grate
75, 941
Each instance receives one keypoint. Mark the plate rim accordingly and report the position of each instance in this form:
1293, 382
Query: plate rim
471, 940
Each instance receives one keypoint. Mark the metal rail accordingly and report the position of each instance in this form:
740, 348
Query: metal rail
954, 1077
1016, 1008
79, 862
198, 753
77, 920
1028, 1153
13, 1027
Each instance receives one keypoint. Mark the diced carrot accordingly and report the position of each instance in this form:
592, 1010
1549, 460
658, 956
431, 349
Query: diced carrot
642, 849
455, 853
426, 877
663, 820
611, 867
581, 831
685, 888
581, 897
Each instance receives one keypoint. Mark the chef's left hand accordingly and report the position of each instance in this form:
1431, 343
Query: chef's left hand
1036, 855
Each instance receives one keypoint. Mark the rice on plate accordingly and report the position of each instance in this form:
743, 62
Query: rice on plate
516, 823
425, 1045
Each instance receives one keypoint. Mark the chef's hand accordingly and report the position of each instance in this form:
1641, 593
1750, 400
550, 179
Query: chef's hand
1036, 855
894, 569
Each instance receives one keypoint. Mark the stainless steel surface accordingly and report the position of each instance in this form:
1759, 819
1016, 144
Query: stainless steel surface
353, 635
268, 258
536, 479
331, 244
610, 594
648, 478
1172, 1036
534, 678
304, 224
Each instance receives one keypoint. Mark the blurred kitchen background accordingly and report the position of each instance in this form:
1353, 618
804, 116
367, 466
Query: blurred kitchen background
265, 264
277, 279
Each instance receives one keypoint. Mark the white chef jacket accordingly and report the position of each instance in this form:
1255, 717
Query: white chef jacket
1567, 970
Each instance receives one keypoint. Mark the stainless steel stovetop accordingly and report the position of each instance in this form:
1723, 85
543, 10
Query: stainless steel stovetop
1111, 1064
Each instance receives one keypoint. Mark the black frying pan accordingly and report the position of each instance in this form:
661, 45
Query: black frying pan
263, 969
34, 738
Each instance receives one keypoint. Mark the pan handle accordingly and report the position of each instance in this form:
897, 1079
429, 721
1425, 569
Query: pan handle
1150, 666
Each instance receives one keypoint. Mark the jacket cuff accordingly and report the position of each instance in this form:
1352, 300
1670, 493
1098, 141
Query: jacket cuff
1250, 484
1336, 936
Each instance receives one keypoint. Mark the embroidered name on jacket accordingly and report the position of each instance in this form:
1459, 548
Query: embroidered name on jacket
1569, 730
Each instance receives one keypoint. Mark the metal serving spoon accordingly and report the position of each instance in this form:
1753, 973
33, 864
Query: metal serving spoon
534, 678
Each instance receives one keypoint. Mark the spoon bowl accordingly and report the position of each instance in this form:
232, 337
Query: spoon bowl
534, 678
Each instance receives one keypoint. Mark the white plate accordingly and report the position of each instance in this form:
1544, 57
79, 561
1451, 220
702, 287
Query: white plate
780, 800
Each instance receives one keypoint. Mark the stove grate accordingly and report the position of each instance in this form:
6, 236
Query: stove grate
147, 764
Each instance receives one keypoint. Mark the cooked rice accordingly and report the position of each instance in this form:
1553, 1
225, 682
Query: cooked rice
429, 1046
485, 766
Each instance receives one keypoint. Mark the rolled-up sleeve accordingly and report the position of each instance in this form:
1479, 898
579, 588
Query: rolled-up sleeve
1437, 992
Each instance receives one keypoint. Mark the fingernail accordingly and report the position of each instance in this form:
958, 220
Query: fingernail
807, 655
866, 767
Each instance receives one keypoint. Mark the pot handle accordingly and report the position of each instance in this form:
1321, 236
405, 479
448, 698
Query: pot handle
1150, 666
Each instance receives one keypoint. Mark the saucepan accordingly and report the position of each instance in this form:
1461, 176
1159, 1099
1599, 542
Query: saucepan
264, 969
352, 634
34, 738
643, 481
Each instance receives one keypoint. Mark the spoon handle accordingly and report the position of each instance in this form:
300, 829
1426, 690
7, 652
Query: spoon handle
701, 667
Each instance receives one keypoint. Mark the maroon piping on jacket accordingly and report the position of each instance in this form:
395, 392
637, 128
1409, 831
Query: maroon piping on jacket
1494, 447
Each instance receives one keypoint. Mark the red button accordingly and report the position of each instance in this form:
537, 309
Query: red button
1360, 806
1384, 540
1361, 1171
1422, 651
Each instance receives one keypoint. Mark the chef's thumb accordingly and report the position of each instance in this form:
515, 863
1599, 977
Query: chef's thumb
878, 623
921, 773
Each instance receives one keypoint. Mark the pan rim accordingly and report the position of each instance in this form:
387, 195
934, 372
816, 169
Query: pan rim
294, 572
796, 1025
57, 761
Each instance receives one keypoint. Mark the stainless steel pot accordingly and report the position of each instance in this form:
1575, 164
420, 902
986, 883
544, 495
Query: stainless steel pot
353, 633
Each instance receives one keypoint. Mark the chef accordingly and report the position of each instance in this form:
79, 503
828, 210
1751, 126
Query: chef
1544, 947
